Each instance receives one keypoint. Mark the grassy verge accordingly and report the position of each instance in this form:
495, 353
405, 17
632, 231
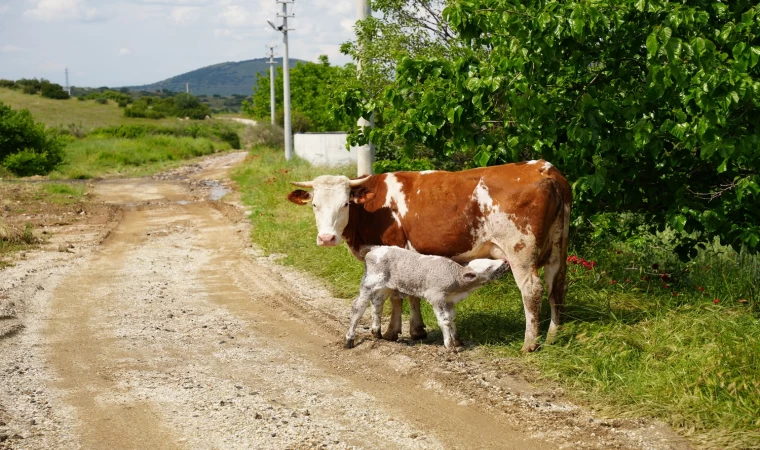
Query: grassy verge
644, 334
72, 112
103, 157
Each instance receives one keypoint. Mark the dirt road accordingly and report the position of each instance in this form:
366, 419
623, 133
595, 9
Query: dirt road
164, 328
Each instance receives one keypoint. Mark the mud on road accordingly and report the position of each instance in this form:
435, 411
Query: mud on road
164, 327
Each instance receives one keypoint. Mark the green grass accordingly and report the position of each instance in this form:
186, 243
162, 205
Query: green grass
62, 113
634, 342
113, 157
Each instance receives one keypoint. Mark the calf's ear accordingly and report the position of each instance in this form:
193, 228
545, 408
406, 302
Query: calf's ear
361, 195
300, 197
470, 275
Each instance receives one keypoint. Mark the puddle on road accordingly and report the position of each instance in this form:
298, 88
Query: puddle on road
217, 191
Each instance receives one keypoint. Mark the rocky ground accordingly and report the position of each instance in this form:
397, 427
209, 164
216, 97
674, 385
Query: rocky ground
149, 321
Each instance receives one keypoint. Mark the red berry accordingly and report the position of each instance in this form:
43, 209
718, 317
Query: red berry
717, 300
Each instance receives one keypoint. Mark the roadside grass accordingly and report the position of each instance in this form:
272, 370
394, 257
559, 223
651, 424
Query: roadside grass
643, 334
14, 238
73, 113
284, 228
114, 157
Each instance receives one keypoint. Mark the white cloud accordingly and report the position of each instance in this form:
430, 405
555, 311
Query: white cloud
8, 48
51, 66
234, 16
62, 10
124, 51
185, 15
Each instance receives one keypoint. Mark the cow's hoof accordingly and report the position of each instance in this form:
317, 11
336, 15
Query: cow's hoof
452, 349
349, 343
376, 334
529, 348
390, 336
418, 335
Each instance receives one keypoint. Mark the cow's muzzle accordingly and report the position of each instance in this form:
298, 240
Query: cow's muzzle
327, 240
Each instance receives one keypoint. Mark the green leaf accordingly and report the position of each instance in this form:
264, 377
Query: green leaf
481, 158
652, 45
722, 166
754, 55
738, 50
673, 48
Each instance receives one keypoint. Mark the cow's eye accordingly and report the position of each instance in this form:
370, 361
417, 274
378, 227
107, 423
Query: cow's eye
314, 206
345, 205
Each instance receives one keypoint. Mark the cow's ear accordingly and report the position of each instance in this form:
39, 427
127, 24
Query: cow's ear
300, 197
361, 195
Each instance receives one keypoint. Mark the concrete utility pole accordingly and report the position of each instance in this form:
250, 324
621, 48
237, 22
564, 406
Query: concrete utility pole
366, 154
286, 77
68, 87
271, 82
187, 88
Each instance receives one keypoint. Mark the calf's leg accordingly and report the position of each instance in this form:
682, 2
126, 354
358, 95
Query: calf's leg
394, 327
443, 314
357, 311
416, 325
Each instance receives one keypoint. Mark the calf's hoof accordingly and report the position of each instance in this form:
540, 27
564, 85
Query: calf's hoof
418, 335
349, 343
389, 336
377, 334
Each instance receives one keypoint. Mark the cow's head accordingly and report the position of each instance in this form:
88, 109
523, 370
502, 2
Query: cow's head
330, 198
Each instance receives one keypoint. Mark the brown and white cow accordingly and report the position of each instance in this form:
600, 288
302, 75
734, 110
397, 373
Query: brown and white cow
517, 212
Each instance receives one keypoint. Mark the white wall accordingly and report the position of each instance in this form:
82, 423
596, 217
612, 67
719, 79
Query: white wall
324, 149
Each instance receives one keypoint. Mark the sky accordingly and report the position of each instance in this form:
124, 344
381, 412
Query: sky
132, 42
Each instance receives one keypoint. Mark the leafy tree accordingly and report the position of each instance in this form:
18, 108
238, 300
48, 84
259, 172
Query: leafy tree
312, 86
648, 106
26, 147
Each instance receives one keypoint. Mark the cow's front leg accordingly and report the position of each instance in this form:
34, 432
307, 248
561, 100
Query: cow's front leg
416, 325
394, 327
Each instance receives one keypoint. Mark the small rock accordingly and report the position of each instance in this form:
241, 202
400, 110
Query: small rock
257, 416
294, 414
32, 422
274, 434
413, 435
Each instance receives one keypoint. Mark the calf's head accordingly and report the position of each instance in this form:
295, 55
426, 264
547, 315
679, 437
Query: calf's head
480, 271
330, 198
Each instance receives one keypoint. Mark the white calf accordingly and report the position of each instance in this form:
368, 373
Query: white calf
441, 281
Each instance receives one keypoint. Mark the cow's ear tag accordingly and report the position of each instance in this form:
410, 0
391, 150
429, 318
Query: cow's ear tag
361, 195
300, 197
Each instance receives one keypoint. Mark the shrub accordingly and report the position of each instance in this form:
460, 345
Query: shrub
101, 100
265, 135
26, 147
53, 90
10, 84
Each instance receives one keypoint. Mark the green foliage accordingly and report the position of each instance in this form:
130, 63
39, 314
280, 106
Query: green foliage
121, 98
10, 84
648, 107
219, 131
26, 147
405, 164
53, 90
181, 105
264, 134
312, 86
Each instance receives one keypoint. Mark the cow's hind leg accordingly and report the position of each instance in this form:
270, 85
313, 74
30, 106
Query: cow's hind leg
394, 327
416, 325
555, 272
527, 279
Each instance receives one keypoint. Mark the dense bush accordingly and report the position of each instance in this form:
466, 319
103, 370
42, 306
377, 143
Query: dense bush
121, 98
53, 90
181, 105
10, 84
26, 147
264, 134
648, 107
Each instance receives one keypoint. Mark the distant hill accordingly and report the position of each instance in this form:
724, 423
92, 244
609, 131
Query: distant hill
224, 79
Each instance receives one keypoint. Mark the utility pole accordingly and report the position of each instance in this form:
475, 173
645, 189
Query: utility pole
187, 88
68, 87
366, 153
271, 82
286, 77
